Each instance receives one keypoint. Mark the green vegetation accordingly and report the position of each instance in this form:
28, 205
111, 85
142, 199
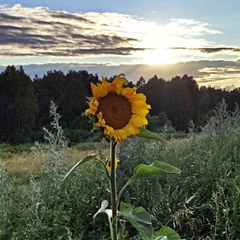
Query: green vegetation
24, 103
203, 202
91, 145
6, 149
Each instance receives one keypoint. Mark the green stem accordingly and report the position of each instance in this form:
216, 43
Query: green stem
104, 165
113, 189
122, 190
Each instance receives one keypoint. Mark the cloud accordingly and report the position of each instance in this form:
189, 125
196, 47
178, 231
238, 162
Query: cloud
227, 76
224, 74
219, 49
41, 32
210, 50
34, 32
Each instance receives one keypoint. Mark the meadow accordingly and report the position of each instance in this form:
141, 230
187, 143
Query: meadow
203, 202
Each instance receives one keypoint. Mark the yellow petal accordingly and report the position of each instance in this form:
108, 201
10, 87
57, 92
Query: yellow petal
138, 97
108, 165
118, 82
101, 121
89, 111
128, 92
93, 104
121, 134
106, 85
131, 130
109, 131
138, 121
140, 110
98, 91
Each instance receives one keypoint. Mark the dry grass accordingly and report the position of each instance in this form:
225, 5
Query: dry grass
30, 162
20, 162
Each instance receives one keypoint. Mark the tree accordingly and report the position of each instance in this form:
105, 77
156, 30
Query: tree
154, 90
162, 118
18, 107
48, 88
69, 92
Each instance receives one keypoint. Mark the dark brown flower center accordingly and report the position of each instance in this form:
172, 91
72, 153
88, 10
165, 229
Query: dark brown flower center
115, 109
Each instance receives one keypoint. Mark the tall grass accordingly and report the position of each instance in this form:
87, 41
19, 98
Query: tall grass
203, 202
42, 206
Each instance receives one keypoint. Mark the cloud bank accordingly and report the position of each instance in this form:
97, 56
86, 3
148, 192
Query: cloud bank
110, 43
223, 74
40, 32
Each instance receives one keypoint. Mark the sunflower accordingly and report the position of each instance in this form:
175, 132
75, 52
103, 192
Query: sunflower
119, 110
108, 164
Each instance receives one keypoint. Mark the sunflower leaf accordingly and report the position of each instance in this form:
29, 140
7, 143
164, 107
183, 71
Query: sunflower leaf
155, 169
89, 98
104, 204
82, 161
166, 233
139, 218
144, 133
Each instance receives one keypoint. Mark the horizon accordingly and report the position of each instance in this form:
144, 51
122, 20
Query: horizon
133, 72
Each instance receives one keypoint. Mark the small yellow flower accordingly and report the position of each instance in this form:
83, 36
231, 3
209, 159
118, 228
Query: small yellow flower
120, 111
108, 164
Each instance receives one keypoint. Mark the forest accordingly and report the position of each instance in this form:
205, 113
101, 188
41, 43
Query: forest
24, 103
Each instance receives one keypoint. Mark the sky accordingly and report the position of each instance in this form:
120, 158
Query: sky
140, 38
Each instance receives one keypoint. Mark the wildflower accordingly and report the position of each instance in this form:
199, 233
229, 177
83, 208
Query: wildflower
108, 164
119, 110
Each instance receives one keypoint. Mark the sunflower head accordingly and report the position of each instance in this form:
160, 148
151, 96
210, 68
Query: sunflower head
120, 111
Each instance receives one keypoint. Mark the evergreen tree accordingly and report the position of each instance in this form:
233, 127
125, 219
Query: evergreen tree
18, 107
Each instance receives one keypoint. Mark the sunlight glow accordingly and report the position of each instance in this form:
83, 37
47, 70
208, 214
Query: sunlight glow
160, 40
156, 56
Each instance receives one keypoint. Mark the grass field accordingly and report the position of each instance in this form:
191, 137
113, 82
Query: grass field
27, 161
203, 202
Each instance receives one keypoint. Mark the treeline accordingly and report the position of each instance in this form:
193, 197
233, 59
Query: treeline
24, 102
182, 100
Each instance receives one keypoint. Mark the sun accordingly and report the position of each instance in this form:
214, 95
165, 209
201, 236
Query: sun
158, 56
162, 56
159, 46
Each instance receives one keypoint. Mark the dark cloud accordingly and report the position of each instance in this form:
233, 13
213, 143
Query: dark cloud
209, 50
13, 35
58, 34
68, 16
4, 29
212, 50
112, 51
102, 40
49, 23
8, 18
